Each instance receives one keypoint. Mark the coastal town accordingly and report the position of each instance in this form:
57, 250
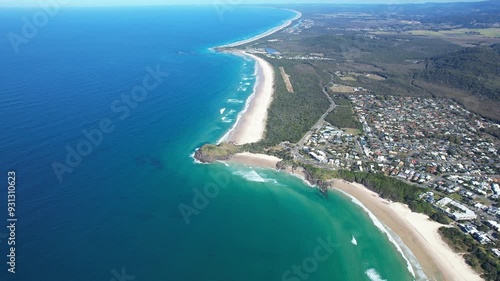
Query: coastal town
433, 143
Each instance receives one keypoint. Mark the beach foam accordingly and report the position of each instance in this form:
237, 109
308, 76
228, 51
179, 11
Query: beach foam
235, 101
384, 230
250, 176
374, 275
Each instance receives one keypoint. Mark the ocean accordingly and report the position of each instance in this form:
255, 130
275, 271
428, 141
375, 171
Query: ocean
101, 109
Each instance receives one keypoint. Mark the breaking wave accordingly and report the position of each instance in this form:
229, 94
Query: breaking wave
382, 228
235, 101
250, 176
374, 275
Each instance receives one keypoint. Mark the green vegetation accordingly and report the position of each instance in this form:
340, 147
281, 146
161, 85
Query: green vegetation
387, 187
477, 255
343, 115
210, 152
291, 115
492, 131
474, 70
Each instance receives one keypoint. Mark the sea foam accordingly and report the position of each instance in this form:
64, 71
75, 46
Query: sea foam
250, 176
374, 275
235, 101
382, 228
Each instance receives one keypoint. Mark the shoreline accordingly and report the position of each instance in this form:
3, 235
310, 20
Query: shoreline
250, 125
414, 235
417, 232
256, 160
297, 16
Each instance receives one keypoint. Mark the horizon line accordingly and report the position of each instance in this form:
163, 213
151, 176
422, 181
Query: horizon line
39, 4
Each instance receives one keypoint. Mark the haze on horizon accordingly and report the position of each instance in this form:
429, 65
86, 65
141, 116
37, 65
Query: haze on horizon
91, 3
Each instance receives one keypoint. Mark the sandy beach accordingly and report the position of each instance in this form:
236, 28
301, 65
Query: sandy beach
418, 233
251, 124
257, 160
262, 35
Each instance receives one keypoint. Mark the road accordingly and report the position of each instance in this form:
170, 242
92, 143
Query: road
320, 121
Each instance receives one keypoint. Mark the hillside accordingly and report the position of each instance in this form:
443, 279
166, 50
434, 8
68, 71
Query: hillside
475, 70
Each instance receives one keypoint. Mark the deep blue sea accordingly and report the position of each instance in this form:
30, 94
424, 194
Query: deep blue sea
101, 110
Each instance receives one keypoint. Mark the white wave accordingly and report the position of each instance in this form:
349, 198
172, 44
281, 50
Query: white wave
222, 110
382, 228
374, 275
247, 103
244, 89
353, 241
235, 101
194, 159
250, 176
247, 83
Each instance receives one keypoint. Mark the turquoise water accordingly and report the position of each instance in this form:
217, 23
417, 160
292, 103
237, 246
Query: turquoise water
118, 206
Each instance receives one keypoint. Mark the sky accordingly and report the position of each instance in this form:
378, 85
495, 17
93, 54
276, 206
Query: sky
206, 2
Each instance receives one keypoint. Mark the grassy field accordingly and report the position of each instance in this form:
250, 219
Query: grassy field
347, 78
342, 89
352, 131
374, 77
286, 79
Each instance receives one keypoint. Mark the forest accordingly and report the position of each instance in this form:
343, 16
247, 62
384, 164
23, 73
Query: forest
474, 70
343, 115
291, 115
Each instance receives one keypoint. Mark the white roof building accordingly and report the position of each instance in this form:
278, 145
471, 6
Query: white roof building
459, 212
